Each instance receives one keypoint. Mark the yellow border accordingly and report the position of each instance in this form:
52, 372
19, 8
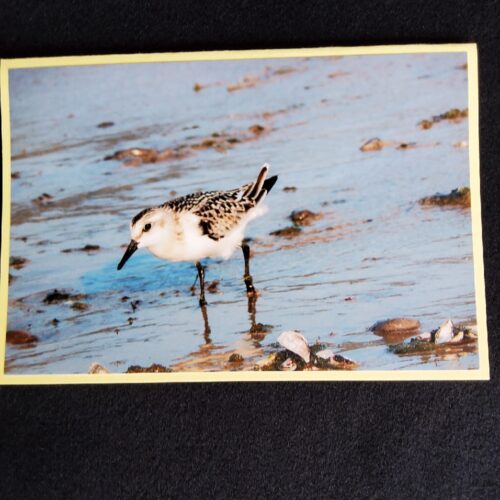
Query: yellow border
482, 373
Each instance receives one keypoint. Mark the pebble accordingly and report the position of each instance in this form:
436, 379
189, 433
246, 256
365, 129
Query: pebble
374, 144
105, 124
396, 326
20, 337
256, 129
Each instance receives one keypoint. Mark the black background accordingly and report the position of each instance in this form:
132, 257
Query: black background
310, 440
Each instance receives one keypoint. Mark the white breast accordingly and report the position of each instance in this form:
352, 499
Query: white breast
184, 241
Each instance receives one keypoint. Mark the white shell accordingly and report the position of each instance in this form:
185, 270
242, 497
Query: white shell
288, 365
445, 333
296, 343
96, 368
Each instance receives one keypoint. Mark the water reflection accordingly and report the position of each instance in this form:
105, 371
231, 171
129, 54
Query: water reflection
206, 325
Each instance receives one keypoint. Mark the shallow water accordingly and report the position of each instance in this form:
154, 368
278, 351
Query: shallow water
375, 254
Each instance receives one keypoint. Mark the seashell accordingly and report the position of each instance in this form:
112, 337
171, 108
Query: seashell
396, 326
457, 338
445, 333
96, 368
288, 365
325, 354
296, 343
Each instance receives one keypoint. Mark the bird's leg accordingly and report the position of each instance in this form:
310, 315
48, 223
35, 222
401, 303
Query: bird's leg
247, 277
201, 275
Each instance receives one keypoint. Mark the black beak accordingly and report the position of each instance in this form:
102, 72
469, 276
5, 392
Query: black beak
132, 247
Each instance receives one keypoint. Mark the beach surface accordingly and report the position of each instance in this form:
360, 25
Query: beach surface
371, 253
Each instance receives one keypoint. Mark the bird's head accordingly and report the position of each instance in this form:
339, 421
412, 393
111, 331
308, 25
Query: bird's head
147, 229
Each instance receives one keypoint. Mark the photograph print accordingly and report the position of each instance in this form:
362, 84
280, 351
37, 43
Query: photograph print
306, 214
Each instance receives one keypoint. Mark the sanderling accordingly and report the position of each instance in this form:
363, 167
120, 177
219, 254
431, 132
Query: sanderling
201, 225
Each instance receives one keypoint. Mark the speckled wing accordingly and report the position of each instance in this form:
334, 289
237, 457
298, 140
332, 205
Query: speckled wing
221, 213
189, 202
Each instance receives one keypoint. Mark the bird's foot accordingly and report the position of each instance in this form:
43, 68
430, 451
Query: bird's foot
203, 302
251, 290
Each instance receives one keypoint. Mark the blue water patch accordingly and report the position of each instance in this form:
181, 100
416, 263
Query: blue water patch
143, 272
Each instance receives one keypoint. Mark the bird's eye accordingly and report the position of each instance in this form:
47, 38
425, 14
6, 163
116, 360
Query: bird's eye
147, 227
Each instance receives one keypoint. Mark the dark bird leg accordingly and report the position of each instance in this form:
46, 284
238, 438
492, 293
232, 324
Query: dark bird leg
247, 277
201, 275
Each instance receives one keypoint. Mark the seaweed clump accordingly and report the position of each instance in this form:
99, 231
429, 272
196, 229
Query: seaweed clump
154, 368
87, 248
459, 197
56, 297
441, 340
236, 358
288, 361
18, 262
297, 355
454, 115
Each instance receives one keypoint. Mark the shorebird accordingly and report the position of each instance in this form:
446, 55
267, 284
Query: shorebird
201, 225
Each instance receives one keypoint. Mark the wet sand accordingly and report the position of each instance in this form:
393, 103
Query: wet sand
371, 251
